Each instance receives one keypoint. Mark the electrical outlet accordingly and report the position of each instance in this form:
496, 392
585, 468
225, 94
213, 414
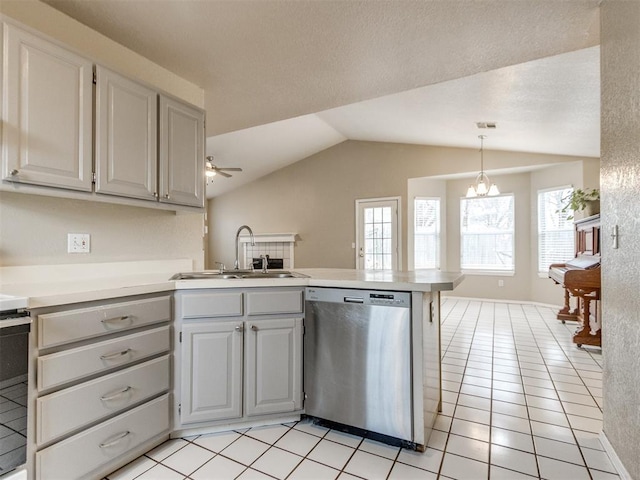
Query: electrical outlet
501, 283
78, 243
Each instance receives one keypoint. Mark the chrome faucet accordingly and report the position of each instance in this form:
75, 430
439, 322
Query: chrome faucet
265, 262
236, 264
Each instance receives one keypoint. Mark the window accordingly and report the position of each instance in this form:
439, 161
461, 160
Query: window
555, 232
486, 229
426, 243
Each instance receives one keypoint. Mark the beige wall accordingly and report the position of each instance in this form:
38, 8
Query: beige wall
620, 181
33, 229
34, 232
516, 287
316, 199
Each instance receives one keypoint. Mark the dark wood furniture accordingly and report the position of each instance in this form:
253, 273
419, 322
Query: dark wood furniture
580, 278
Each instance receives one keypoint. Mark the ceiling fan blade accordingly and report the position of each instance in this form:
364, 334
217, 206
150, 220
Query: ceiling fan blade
223, 173
230, 169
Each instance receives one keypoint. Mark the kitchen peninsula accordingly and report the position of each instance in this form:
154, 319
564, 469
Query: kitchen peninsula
118, 332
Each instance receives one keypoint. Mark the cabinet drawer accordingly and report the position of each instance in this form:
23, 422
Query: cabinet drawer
77, 456
266, 302
211, 304
58, 368
72, 325
64, 411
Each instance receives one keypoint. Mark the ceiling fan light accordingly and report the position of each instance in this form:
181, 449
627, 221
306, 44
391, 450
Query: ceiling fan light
209, 171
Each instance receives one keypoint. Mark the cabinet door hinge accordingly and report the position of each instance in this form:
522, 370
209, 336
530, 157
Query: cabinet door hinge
179, 409
93, 177
180, 339
95, 78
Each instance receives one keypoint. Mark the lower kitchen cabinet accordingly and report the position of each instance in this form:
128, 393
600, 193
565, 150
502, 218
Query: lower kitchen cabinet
101, 395
211, 371
238, 368
273, 366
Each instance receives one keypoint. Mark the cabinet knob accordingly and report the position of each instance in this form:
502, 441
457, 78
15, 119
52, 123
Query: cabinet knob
14, 172
238, 328
254, 328
167, 196
155, 194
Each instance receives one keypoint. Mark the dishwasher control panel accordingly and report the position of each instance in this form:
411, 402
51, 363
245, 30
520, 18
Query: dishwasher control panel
387, 299
362, 297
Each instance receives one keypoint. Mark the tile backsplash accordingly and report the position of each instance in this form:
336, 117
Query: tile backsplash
273, 249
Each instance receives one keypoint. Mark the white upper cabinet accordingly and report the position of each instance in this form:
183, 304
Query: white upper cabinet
47, 113
126, 136
181, 160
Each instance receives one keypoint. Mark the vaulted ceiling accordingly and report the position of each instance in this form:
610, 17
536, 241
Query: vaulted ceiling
286, 78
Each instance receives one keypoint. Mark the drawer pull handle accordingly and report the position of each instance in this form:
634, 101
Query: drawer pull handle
111, 356
117, 439
117, 394
116, 319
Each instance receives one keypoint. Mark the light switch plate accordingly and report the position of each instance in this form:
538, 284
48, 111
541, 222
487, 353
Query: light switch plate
78, 243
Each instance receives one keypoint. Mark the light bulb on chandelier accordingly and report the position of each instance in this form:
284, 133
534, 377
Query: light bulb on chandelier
482, 180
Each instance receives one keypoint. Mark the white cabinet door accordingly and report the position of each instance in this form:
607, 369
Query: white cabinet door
273, 371
211, 371
181, 153
126, 136
47, 110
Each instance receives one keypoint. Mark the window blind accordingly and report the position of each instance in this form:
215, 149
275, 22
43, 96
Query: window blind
555, 232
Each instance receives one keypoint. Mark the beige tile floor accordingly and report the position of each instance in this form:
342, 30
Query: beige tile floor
520, 401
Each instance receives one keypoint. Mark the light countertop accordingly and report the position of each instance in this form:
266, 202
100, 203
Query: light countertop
48, 289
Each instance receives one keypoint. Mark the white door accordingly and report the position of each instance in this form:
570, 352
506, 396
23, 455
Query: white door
211, 371
126, 136
47, 124
378, 234
273, 374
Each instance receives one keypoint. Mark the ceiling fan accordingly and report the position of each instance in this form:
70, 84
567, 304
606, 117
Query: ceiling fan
211, 170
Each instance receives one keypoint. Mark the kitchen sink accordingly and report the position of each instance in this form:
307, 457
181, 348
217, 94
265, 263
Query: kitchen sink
203, 275
234, 274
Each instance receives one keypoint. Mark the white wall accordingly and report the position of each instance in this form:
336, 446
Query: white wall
620, 180
33, 229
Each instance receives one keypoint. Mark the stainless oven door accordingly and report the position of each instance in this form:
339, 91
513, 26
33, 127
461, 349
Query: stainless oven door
14, 361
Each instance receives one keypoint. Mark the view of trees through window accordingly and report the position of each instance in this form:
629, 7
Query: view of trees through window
487, 233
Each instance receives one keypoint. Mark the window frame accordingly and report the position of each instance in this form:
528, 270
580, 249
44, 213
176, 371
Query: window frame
544, 273
438, 234
507, 272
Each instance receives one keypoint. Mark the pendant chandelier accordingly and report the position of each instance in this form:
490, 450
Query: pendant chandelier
481, 187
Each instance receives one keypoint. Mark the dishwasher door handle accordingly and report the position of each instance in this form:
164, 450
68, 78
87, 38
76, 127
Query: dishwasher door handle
354, 300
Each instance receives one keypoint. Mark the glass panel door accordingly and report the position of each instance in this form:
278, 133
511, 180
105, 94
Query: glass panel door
377, 234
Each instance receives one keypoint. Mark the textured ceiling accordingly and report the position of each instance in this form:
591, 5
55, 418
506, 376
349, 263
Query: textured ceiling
312, 73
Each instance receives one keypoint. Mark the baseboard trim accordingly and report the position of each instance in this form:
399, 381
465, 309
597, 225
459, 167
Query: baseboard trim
613, 456
501, 300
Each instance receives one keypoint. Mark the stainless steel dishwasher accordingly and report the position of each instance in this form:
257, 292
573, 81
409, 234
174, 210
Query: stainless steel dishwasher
357, 360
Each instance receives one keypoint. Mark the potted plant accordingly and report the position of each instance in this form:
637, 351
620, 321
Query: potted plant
587, 200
